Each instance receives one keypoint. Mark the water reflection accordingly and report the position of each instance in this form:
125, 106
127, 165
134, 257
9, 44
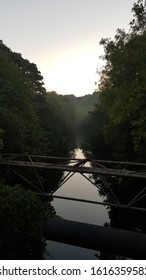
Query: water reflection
60, 251
77, 187
130, 192
124, 189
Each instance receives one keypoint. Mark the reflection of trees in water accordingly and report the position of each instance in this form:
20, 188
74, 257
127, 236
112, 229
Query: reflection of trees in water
124, 189
41, 180
38, 181
28, 179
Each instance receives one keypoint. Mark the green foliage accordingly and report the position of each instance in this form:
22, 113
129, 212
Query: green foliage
92, 129
75, 110
55, 120
33, 121
123, 89
58, 124
62, 117
18, 118
32, 75
138, 24
21, 216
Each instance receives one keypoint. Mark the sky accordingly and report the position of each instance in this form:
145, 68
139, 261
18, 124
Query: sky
62, 37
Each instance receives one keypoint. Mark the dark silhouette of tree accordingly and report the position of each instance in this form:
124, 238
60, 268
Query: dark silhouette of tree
122, 91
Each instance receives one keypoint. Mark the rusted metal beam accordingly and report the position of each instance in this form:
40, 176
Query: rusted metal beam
78, 169
3, 155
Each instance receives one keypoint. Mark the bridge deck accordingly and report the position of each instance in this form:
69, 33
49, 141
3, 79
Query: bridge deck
79, 167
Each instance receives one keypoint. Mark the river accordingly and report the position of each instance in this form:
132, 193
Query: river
77, 187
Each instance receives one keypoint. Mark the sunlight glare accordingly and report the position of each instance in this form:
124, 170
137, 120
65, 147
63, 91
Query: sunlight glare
73, 73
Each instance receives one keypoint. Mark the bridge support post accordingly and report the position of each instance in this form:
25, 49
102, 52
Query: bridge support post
110, 240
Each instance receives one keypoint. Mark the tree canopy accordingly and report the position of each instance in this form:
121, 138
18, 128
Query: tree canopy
31, 120
123, 89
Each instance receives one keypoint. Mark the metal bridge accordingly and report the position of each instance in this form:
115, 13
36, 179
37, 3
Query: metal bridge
99, 167
69, 166
121, 242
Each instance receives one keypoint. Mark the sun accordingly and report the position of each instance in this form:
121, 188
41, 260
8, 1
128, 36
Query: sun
73, 73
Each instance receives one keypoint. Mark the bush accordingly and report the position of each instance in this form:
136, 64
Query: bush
22, 214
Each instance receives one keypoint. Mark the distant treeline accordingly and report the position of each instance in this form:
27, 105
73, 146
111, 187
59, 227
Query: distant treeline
32, 120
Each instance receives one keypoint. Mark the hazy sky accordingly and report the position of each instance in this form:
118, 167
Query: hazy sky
62, 37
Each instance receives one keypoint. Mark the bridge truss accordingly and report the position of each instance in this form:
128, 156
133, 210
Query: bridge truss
99, 171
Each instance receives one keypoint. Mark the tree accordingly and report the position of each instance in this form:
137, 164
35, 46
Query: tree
123, 90
93, 139
22, 215
138, 24
18, 116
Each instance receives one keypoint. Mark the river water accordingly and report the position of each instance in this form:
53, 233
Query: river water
77, 187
